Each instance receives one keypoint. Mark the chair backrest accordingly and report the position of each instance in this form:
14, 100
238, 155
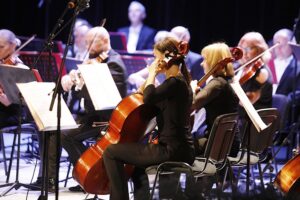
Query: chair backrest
221, 137
259, 141
282, 104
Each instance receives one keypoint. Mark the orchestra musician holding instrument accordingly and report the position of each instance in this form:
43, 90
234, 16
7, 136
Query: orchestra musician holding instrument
173, 98
256, 78
217, 97
100, 51
8, 44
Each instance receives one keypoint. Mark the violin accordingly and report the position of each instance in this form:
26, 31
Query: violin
76, 76
236, 53
253, 65
251, 71
12, 59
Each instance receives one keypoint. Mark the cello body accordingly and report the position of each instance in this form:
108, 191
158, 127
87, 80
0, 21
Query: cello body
288, 175
128, 123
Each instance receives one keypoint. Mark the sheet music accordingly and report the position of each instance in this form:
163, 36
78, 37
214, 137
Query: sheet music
251, 112
38, 96
101, 86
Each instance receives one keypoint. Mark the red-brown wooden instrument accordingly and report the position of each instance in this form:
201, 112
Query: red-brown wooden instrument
128, 122
250, 71
288, 175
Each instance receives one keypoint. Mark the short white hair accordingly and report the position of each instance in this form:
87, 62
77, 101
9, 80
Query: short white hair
182, 33
141, 6
10, 37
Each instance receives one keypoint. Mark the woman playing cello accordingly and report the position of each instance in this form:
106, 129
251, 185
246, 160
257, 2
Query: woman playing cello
173, 98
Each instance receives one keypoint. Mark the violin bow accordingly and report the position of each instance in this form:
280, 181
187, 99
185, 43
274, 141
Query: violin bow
102, 23
24, 44
256, 58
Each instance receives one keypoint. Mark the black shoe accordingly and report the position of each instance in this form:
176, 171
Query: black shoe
76, 188
38, 185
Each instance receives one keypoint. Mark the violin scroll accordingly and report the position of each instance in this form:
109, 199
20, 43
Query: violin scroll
183, 48
237, 53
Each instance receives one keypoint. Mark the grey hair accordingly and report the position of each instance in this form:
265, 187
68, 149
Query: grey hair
10, 37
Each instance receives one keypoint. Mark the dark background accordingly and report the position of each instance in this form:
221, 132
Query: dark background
207, 20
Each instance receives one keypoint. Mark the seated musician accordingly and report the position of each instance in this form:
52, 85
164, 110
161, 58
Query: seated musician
217, 97
258, 85
72, 140
173, 98
258, 88
8, 44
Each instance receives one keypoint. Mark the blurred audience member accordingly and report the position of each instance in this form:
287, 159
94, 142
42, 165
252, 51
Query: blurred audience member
139, 36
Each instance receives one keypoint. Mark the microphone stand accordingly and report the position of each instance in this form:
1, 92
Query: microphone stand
81, 5
57, 91
295, 124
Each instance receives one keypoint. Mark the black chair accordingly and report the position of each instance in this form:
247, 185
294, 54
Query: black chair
257, 143
214, 158
28, 128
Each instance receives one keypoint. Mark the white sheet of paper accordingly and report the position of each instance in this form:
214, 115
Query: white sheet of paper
101, 86
252, 113
38, 97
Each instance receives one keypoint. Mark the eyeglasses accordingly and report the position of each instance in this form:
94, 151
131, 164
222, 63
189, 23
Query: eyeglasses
248, 49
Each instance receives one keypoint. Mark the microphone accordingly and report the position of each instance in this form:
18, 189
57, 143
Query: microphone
82, 4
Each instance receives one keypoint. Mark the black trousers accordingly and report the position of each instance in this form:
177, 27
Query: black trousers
141, 156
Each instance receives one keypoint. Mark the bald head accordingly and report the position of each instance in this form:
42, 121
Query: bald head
181, 33
99, 38
283, 50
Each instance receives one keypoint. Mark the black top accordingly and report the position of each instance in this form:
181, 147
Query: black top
218, 98
174, 98
265, 100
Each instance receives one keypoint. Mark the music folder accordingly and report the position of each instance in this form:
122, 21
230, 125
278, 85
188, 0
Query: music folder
9, 76
38, 96
100, 85
250, 110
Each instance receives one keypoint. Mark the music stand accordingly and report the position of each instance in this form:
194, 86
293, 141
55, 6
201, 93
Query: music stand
296, 52
48, 71
118, 41
9, 76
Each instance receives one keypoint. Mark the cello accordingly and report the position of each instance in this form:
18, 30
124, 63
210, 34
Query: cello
287, 179
128, 123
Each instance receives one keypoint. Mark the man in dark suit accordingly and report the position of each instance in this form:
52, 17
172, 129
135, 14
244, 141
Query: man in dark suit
139, 36
72, 140
283, 68
284, 63
192, 60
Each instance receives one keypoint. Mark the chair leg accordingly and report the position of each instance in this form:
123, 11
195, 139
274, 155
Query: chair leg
232, 178
3, 153
154, 184
218, 188
11, 158
261, 176
67, 177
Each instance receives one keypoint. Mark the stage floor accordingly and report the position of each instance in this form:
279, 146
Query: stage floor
27, 174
